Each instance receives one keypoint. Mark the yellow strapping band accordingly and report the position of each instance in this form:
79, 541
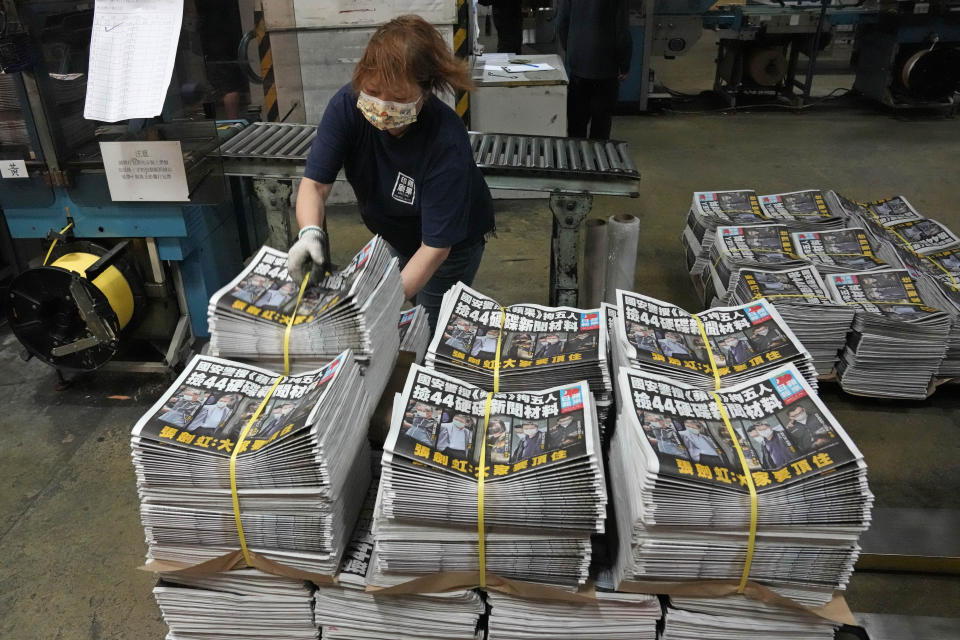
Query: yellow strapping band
256, 414
482, 472
706, 344
481, 536
54, 243
233, 470
286, 334
751, 541
791, 295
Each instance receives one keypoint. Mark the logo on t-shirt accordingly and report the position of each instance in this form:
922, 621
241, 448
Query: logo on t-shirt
404, 189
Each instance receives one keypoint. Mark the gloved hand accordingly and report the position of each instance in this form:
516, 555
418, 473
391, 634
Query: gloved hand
308, 253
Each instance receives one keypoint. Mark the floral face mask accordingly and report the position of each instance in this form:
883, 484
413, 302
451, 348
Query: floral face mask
387, 115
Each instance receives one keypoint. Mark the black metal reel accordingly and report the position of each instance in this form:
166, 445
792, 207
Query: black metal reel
44, 316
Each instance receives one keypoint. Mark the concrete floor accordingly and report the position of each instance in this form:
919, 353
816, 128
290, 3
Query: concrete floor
70, 537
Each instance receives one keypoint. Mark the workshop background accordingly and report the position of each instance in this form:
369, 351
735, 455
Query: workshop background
858, 97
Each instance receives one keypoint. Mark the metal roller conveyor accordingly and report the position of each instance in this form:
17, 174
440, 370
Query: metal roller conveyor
572, 170
508, 161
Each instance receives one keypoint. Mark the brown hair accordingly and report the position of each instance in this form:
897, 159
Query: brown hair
408, 49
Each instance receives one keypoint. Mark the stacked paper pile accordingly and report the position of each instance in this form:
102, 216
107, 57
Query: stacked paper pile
544, 493
938, 280
839, 251
238, 604
740, 618
356, 308
539, 346
624, 616
804, 302
414, 331
758, 247
709, 210
301, 473
680, 496
898, 340
745, 341
348, 611
810, 209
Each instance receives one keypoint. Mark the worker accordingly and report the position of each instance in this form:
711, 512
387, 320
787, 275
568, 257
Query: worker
595, 36
408, 158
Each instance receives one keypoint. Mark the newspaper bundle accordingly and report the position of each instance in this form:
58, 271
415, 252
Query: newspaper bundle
708, 211
356, 308
898, 340
809, 209
931, 252
538, 346
766, 247
544, 492
414, 331
736, 617
838, 251
244, 603
348, 611
744, 341
803, 301
680, 495
301, 470
626, 616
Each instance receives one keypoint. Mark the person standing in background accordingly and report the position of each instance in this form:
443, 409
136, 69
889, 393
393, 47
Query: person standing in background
595, 37
508, 21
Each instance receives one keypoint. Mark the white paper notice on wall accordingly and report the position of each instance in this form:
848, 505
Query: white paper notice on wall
13, 169
133, 47
145, 171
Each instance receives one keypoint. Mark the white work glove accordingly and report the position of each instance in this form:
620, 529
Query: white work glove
308, 254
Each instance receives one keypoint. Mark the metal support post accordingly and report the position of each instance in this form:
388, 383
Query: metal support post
569, 211
274, 195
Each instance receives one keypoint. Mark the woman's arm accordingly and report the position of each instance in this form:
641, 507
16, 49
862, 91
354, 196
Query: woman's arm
311, 198
420, 268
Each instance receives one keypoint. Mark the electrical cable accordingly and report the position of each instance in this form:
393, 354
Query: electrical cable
833, 95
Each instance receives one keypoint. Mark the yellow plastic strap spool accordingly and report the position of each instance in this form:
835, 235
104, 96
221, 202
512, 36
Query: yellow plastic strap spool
256, 414
748, 478
111, 283
482, 471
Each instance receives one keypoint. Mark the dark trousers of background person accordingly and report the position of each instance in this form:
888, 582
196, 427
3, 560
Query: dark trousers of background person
591, 101
508, 21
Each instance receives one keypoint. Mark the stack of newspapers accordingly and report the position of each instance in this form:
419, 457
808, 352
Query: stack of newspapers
709, 210
301, 471
414, 331
765, 247
839, 251
624, 616
356, 308
745, 341
938, 280
539, 346
898, 341
349, 611
245, 603
810, 209
681, 500
805, 304
739, 618
544, 493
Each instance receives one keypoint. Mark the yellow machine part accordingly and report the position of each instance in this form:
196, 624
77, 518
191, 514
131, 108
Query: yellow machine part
111, 282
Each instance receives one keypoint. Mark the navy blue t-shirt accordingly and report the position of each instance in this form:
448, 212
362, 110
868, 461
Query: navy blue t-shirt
421, 186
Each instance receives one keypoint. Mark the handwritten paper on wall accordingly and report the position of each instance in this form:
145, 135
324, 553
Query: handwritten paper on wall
133, 48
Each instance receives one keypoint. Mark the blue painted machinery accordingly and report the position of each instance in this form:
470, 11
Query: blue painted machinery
116, 284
